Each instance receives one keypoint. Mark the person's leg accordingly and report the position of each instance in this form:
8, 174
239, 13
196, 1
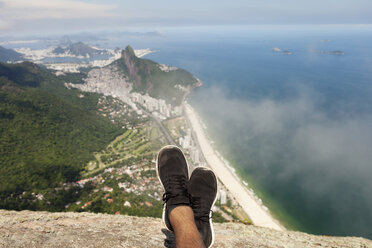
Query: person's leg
185, 231
173, 174
203, 192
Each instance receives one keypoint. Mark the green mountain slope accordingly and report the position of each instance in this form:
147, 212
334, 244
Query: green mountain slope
9, 55
47, 134
147, 77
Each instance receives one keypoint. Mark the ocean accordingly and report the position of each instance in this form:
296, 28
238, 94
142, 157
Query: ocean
295, 121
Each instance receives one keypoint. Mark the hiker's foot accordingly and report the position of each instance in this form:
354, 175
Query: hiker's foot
203, 192
173, 174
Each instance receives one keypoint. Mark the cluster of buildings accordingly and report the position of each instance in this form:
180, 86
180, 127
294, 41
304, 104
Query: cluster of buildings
73, 63
117, 111
158, 107
110, 82
190, 146
138, 185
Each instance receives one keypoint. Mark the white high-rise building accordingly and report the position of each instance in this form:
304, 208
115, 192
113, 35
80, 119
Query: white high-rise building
223, 197
177, 110
195, 155
186, 142
163, 108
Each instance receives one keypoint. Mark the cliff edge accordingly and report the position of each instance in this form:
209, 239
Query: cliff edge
44, 229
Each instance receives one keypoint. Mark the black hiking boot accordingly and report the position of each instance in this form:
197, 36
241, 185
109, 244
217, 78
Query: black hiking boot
203, 193
173, 174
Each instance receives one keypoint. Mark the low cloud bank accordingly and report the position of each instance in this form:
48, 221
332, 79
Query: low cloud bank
319, 168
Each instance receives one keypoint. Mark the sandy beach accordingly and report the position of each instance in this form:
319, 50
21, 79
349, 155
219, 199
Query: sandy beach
255, 211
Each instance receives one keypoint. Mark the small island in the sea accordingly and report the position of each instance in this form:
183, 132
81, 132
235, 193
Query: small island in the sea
278, 50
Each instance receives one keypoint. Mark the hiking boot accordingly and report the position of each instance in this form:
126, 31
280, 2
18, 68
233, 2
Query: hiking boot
173, 174
203, 194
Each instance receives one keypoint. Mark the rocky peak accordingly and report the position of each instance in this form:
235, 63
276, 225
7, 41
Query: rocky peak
138, 71
158, 81
42, 229
128, 51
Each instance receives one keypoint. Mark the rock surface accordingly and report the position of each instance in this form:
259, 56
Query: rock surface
43, 229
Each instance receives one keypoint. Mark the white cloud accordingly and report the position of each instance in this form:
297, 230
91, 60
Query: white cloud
54, 4
298, 136
4, 25
18, 11
21, 15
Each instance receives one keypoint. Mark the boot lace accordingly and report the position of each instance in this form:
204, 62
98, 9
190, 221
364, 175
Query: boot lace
177, 186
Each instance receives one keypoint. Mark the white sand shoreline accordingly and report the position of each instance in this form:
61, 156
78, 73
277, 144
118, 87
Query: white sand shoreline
256, 212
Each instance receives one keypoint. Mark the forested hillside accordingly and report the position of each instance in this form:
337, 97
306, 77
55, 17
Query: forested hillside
9, 55
47, 135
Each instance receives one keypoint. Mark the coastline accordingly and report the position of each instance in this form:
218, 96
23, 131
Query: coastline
256, 212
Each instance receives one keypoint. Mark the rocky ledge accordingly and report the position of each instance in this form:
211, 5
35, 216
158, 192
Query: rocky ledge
43, 229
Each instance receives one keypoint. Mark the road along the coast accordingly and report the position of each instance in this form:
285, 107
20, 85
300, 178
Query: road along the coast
255, 211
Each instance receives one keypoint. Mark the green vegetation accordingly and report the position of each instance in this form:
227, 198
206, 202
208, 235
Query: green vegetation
147, 77
47, 135
122, 177
132, 145
74, 78
93, 198
119, 112
217, 217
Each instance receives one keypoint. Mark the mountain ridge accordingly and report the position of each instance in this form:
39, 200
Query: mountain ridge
79, 49
9, 55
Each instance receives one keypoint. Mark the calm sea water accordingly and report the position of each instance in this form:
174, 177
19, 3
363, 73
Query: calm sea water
297, 127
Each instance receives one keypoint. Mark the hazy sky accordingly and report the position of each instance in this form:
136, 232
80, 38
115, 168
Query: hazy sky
45, 16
